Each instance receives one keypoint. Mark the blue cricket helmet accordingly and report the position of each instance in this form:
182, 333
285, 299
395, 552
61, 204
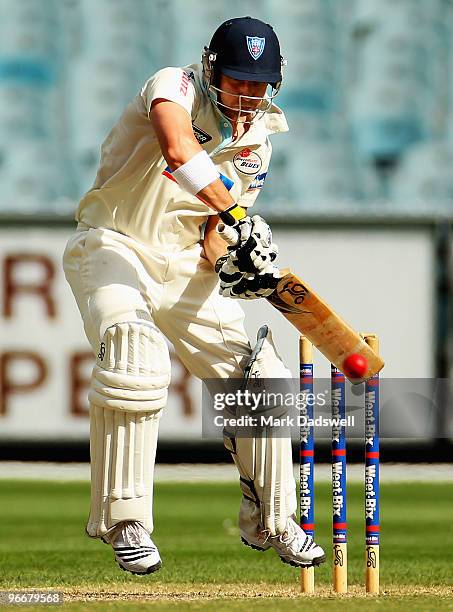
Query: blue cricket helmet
247, 49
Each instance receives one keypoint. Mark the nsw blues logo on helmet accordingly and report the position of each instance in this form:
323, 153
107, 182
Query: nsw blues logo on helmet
255, 45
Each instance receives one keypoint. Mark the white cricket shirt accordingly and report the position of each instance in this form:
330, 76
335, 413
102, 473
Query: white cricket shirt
133, 196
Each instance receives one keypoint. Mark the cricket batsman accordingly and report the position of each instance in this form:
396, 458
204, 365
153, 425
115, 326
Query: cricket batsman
146, 263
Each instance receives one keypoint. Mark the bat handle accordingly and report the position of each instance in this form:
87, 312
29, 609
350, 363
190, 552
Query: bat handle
231, 237
229, 234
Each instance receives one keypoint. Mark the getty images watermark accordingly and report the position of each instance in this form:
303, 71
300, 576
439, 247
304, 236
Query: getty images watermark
243, 408
415, 408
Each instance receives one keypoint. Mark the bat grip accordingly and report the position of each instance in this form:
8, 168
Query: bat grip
229, 234
231, 237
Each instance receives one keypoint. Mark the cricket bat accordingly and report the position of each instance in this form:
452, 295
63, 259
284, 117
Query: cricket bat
315, 319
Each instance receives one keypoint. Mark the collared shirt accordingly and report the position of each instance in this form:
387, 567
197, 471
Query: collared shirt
132, 193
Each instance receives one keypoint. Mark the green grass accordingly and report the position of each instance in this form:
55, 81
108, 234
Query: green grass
42, 545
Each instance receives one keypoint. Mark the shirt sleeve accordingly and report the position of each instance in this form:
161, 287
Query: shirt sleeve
249, 197
172, 84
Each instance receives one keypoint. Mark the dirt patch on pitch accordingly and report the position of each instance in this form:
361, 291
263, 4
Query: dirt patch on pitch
181, 592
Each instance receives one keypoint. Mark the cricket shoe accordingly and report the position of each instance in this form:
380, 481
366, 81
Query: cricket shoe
134, 549
295, 547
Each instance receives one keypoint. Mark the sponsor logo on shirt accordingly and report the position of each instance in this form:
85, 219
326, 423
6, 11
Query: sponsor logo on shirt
257, 182
247, 162
185, 80
201, 136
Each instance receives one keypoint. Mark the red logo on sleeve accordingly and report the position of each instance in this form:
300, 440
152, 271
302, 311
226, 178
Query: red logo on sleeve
184, 84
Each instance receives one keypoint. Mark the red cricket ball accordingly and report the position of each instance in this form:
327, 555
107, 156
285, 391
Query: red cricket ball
355, 366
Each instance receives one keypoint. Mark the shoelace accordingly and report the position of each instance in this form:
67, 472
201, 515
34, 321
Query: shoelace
266, 533
303, 541
134, 535
291, 534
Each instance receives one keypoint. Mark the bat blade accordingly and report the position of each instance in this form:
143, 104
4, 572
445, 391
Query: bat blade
315, 319
325, 329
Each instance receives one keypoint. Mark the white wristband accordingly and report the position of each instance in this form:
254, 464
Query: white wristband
194, 175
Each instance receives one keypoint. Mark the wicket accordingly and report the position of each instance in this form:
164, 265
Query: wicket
339, 487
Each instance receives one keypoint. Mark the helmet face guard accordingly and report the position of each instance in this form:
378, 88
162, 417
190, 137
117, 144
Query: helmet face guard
242, 106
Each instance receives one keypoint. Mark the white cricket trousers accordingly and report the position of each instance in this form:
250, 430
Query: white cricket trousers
115, 279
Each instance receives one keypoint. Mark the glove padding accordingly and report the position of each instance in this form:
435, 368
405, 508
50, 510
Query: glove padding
238, 285
254, 250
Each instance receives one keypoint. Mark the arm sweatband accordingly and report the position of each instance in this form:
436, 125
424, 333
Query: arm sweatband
196, 174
